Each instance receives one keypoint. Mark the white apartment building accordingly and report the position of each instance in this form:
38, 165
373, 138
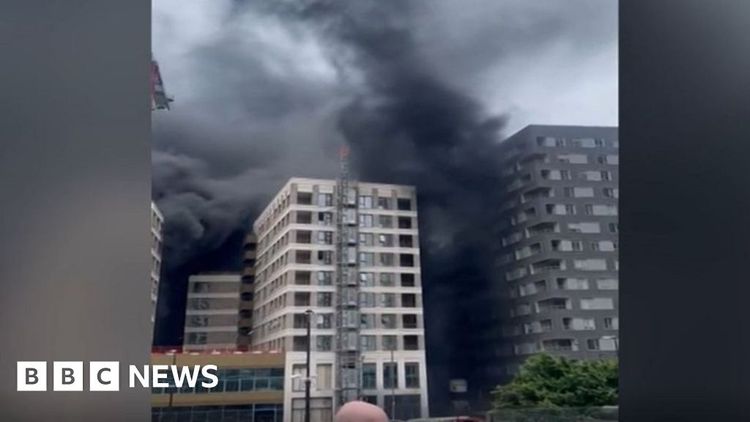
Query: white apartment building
212, 312
157, 223
296, 271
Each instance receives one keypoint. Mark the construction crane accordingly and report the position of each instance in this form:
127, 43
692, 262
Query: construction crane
348, 355
159, 98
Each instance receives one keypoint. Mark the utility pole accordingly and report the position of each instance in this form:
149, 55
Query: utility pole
309, 313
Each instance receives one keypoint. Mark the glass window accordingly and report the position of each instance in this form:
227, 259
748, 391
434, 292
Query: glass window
369, 377
390, 375
411, 374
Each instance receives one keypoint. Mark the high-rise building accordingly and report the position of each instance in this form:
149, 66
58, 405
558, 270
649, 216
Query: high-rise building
349, 252
157, 223
247, 292
558, 259
212, 312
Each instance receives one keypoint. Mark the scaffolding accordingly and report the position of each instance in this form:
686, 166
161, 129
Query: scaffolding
348, 356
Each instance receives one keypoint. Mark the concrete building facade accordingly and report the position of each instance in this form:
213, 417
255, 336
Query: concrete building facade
295, 272
212, 312
557, 251
157, 240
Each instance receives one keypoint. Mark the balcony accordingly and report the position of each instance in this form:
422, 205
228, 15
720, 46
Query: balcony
547, 265
553, 304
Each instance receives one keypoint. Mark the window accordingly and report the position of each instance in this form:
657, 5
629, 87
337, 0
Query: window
302, 299
572, 284
302, 257
411, 374
390, 375
411, 342
579, 324
573, 158
613, 227
388, 321
409, 300
384, 203
406, 260
590, 264
366, 258
385, 239
368, 343
325, 257
325, 278
366, 321
385, 221
323, 321
325, 299
583, 192
298, 377
404, 222
365, 239
325, 200
613, 159
369, 376
302, 277
600, 303
403, 204
568, 192
323, 343
299, 343
604, 246
409, 321
388, 300
405, 241
606, 175
304, 217
324, 378
607, 284
365, 201
304, 198
610, 192
611, 323
584, 227
390, 342
365, 220
407, 280
325, 238
386, 259
300, 321
565, 175
366, 299
387, 279
325, 218
366, 279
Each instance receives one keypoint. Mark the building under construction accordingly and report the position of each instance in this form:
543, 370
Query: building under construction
347, 251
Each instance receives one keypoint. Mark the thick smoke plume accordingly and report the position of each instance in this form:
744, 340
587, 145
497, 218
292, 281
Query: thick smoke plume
268, 89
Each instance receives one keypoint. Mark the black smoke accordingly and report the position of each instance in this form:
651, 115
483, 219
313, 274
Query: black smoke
411, 127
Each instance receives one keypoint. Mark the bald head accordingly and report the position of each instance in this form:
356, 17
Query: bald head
359, 411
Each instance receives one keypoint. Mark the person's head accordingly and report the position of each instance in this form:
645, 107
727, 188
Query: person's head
359, 411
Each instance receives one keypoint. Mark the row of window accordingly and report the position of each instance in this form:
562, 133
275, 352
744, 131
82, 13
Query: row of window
604, 344
365, 342
363, 201
363, 299
557, 304
549, 141
558, 245
552, 227
367, 321
541, 286
365, 279
568, 324
231, 380
555, 264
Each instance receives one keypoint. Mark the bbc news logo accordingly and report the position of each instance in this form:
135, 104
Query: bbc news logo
105, 376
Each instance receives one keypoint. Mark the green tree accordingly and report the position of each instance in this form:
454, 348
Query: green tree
555, 382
